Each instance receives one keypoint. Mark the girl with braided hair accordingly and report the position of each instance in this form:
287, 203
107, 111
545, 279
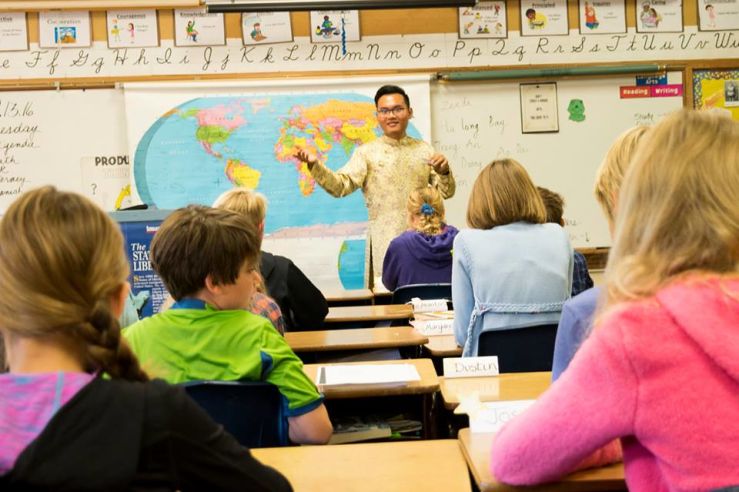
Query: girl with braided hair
63, 425
423, 253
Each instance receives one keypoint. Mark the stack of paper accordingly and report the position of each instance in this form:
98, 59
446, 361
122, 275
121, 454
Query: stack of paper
338, 374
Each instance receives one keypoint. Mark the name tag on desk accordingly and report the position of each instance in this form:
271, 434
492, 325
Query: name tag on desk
469, 367
493, 415
428, 305
432, 327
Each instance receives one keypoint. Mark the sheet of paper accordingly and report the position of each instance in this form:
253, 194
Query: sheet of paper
367, 374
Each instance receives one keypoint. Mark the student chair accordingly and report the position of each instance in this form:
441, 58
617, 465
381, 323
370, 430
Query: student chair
403, 294
526, 349
252, 412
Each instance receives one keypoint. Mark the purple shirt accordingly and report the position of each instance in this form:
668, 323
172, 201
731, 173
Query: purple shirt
27, 404
415, 258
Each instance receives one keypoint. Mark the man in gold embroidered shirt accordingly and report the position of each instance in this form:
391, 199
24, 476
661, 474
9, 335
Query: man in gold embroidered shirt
387, 169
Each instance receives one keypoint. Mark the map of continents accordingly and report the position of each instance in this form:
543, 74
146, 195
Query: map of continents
206, 146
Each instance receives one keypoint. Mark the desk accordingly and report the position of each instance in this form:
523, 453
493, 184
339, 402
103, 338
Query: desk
356, 339
386, 312
348, 296
504, 387
425, 388
443, 346
476, 450
428, 384
429, 466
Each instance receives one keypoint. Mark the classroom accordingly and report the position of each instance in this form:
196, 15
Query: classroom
382, 233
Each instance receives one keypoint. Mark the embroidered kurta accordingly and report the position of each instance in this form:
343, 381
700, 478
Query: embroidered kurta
386, 170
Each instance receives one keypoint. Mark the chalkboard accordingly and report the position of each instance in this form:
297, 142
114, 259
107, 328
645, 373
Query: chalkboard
73, 139
474, 123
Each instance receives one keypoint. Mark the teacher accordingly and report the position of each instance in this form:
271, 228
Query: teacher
387, 169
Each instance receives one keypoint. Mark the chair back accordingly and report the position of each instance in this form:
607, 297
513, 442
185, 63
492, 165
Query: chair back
403, 294
252, 412
526, 349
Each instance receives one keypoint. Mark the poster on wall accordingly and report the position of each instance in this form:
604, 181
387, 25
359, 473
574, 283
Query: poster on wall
717, 89
487, 19
602, 17
539, 18
539, 108
194, 27
659, 16
266, 27
132, 28
334, 26
13, 31
64, 29
718, 16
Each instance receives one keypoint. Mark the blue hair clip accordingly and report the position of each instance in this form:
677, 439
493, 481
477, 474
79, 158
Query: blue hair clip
427, 209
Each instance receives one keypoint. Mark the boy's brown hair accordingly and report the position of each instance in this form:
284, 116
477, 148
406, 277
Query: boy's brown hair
197, 241
554, 203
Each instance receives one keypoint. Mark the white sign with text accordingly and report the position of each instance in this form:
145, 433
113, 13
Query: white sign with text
428, 305
469, 367
434, 327
495, 414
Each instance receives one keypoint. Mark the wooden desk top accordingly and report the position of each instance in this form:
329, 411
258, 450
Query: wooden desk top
476, 450
369, 313
429, 466
429, 382
504, 387
356, 339
443, 346
343, 295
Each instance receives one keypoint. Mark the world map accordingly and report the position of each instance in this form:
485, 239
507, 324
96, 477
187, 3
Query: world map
205, 146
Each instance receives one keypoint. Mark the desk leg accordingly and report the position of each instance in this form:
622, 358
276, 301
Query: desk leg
429, 417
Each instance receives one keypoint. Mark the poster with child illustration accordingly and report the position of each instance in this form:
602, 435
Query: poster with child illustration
132, 28
266, 27
487, 19
602, 16
718, 16
196, 28
334, 26
540, 18
659, 16
64, 29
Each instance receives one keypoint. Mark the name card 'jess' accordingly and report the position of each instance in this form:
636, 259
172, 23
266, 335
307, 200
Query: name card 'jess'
428, 305
467, 367
434, 327
495, 414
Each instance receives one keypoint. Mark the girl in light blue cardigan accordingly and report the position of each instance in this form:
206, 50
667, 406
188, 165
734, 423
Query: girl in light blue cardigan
511, 269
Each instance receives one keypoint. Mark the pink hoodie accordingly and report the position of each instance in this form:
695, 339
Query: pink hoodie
662, 374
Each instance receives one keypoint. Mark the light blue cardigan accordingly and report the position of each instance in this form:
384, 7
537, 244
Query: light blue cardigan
509, 276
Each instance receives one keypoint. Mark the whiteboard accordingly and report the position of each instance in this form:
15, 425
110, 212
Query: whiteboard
474, 123
72, 139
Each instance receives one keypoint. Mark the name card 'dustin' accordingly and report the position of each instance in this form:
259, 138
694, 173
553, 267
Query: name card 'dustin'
468, 367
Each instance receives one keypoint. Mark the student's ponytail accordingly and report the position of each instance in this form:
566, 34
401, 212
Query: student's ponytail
62, 268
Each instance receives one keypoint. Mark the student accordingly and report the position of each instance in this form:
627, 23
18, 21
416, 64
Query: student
554, 204
62, 425
577, 313
661, 369
422, 254
208, 259
302, 304
511, 269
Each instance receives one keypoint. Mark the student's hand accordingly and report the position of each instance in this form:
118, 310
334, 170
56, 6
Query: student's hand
307, 157
439, 163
